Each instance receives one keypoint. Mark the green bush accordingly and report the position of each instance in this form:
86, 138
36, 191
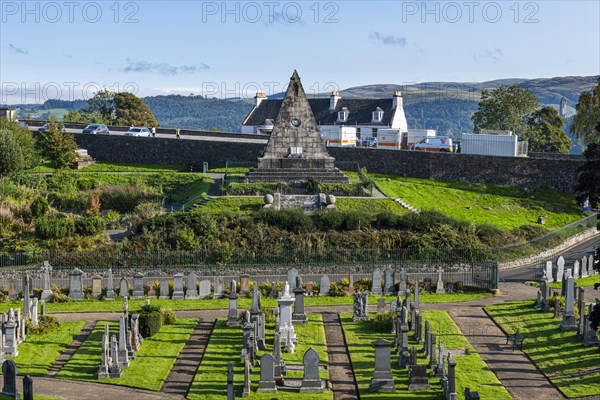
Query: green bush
150, 320
66, 201
291, 220
54, 228
355, 220
363, 285
122, 198
58, 296
168, 316
39, 207
89, 226
330, 220
387, 220
46, 324
383, 323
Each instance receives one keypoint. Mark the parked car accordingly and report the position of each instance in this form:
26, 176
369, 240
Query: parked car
96, 129
135, 131
45, 127
369, 142
437, 143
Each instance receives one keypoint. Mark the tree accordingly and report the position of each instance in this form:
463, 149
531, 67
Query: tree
58, 146
588, 116
11, 156
132, 111
544, 132
102, 105
505, 108
588, 179
24, 140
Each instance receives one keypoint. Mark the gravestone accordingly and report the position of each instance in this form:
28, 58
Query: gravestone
13, 293
413, 356
549, 271
47, 292
255, 308
432, 350
164, 289
451, 389
381, 306
123, 288
278, 358
123, 353
286, 329
151, 290
110, 289
590, 336
34, 312
230, 391
440, 365
178, 287
557, 310
440, 283
581, 307
324, 283
416, 294
246, 389
376, 282
192, 291
219, 287
232, 317
115, 370
560, 269
291, 277
267, 374
591, 269
417, 378
11, 341
360, 307
382, 380
544, 294
96, 287
350, 284
135, 332
273, 291
244, 285
27, 284
388, 282
393, 305
9, 370
27, 388
426, 339
311, 383
569, 319
403, 353
105, 360
138, 286
309, 288
584, 267
418, 327
76, 284
299, 315
576, 269
402, 284
205, 292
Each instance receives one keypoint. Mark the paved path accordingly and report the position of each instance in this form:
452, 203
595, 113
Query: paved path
341, 374
183, 372
66, 355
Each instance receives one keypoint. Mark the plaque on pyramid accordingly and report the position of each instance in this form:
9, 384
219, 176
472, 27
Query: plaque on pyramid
296, 151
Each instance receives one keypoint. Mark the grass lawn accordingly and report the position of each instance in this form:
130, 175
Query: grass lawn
502, 207
471, 370
149, 369
372, 206
38, 352
243, 302
554, 352
133, 167
241, 205
581, 282
192, 193
226, 344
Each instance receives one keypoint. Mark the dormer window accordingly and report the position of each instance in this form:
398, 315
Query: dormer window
343, 114
378, 115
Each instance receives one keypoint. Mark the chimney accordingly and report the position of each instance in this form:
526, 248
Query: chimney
397, 99
333, 99
399, 118
260, 96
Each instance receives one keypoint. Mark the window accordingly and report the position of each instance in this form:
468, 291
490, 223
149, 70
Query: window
374, 132
378, 115
343, 115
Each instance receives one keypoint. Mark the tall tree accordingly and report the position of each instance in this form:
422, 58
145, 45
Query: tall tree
24, 140
132, 111
588, 179
544, 132
102, 105
588, 116
11, 156
505, 108
57, 145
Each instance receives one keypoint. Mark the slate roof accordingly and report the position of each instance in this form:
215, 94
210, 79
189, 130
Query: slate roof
361, 111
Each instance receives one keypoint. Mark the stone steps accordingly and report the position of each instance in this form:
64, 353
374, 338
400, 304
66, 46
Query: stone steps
406, 205
295, 174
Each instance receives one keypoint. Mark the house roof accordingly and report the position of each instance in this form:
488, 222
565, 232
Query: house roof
360, 111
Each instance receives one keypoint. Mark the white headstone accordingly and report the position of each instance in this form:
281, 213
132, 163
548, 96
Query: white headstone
549, 271
561, 269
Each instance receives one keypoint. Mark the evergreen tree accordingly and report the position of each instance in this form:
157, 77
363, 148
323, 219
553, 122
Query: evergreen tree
588, 116
57, 145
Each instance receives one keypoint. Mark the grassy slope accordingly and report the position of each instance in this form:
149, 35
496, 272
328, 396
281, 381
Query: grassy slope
38, 352
503, 207
133, 167
471, 370
149, 369
225, 345
588, 281
553, 351
243, 302
372, 206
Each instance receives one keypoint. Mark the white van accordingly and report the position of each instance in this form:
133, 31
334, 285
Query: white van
437, 143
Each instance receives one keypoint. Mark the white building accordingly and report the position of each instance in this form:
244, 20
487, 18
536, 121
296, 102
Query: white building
366, 115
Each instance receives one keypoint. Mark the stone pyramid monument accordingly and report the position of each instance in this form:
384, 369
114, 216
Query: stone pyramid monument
295, 151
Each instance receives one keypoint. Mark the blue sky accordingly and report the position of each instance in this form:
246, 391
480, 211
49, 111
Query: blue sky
231, 49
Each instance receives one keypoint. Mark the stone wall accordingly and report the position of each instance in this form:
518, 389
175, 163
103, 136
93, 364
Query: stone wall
558, 174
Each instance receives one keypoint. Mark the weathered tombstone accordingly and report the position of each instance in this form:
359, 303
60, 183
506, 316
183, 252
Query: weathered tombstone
279, 363
138, 286
360, 307
247, 368
164, 289
192, 291
417, 378
584, 267
135, 332
590, 337
413, 356
581, 307
416, 304
309, 288
76, 284
34, 312
230, 391
557, 311
441, 357
232, 317
544, 293
311, 383
418, 327
47, 292
299, 315
402, 283
27, 292
96, 287
432, 350
591, 269
151, 290
178, 287
440, 283
382, 380
324, 285
110, 289
219, 286
123, 288
115, 370
569, 319
103, 368
9, 370
267, 374
549, 271
244, 285
11, 341
576, 269
286, 329
205, 289
560, 269
13, 293
273, 291
426, 339
388, 282
393, 305
43, 307
403, 353
451, 391
123, 353
376, 282
381, 306
291, 277
255, 308
27, 388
